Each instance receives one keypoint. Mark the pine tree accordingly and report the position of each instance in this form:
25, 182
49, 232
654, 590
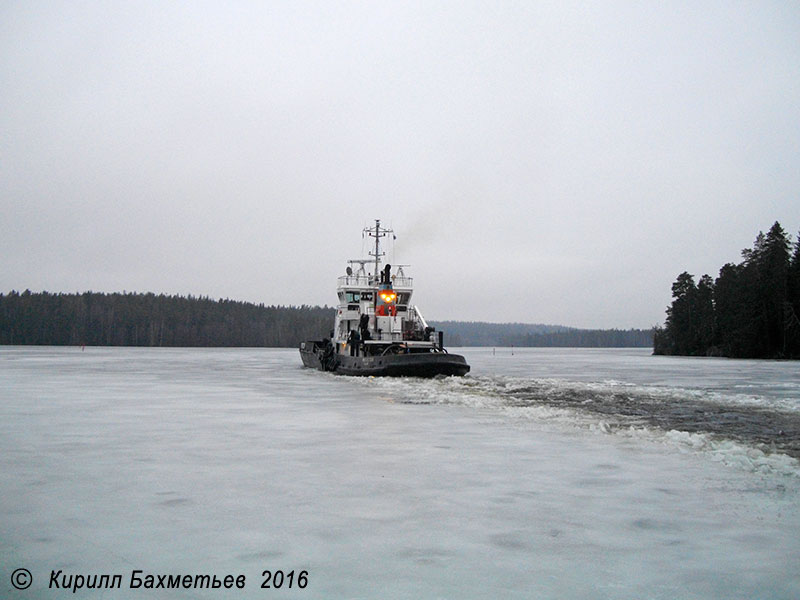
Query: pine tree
792, 306
772, 273
682, 316
704, 306
731, 321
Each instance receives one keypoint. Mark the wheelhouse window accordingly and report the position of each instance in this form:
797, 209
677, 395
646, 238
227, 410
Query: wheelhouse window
353, 296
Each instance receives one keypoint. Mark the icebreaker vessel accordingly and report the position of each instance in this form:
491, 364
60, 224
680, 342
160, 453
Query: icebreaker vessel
377, 331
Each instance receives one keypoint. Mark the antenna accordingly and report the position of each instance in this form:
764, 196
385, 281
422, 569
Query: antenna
377, 232
360, 262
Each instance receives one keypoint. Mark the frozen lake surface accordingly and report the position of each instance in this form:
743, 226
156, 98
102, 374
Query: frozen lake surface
549, 473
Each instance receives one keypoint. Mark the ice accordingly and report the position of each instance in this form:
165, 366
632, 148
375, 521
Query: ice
236, 461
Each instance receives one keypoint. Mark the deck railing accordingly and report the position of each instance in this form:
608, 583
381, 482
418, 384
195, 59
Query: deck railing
369, 281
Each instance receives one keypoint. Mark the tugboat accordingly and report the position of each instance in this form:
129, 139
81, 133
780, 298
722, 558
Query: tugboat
377, 331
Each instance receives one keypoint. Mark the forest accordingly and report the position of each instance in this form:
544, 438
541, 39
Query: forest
136, 319
131, 319
460, 333
750, 310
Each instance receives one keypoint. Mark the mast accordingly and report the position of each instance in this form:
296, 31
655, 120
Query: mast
378, 232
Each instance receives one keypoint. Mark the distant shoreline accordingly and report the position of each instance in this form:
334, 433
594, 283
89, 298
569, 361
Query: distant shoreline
150, 320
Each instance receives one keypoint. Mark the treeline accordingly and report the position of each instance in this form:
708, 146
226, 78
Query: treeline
459, 333
134, 319
750, 311
131, 319
479, 333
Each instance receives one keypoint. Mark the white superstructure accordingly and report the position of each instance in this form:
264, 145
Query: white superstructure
377, 306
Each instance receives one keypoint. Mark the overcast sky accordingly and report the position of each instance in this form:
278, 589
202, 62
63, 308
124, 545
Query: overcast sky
552, 162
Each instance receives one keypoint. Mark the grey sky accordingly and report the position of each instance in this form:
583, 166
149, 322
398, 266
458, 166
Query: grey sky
540, 162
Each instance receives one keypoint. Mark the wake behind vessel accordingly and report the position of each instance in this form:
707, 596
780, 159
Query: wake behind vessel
377, 331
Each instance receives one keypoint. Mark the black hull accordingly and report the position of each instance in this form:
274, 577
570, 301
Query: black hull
423, 364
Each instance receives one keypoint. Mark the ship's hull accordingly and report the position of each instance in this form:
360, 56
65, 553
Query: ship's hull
422, 364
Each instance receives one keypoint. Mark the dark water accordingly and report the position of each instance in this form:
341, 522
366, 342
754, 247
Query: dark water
768, 429
755, 404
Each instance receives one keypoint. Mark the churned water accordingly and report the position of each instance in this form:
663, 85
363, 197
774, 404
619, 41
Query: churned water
543, 474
